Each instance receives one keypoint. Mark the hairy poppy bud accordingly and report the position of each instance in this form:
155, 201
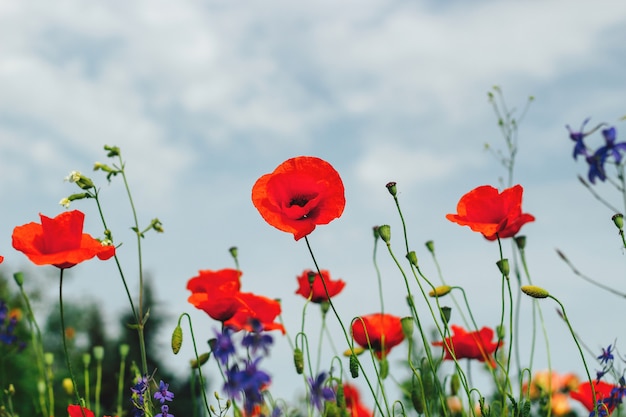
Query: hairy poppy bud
177, 339
298, 360
416, 397
354, 366
534, 291
618, 220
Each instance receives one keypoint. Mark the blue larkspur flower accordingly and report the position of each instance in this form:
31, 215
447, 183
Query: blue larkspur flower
250, 381
257, 340
318, 393
163, 394
578, 137
223, 347
607, 355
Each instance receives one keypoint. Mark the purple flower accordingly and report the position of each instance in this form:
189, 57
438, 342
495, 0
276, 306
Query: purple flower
164, 412
250, 381
257, 340
163, 394
319, 393
607, 355
223, 346
579, 147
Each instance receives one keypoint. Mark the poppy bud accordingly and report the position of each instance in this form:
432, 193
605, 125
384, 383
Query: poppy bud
430, 245
98, 353
375, 231
385, 233
445, 312
177, 339
520, 241
298, 360
86, 360
340, 396
440, 291
354, 366
500, 331
412, 257
618, 220
324, 306
124, 349
534, 291
18, 277
384, 368
233, 251
416, 398
407, 326
455, 384
68, 386
391, 187
202, 359
503, 266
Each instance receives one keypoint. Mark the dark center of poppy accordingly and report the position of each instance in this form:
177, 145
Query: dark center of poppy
299, 200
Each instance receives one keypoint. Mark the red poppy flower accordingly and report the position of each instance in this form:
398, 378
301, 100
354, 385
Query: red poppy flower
316, 291
470, 345
216, 292
75, 411
253, 308
491, 213
584, 395
353, 402
300, 194
383, 331
59, 241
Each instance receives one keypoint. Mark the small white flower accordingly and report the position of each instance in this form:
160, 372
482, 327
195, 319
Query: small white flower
74, 176
65, 202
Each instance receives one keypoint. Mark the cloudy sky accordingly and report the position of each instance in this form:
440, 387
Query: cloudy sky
204, 97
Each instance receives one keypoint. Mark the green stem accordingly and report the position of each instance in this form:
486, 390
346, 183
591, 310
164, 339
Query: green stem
65, 350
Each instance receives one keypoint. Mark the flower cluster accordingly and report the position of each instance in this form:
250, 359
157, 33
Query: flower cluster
8, 325
597, 159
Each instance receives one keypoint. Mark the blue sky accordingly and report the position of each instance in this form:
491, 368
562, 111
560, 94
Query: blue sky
204, 97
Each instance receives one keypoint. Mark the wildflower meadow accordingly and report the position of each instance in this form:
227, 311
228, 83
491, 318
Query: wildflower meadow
426, 354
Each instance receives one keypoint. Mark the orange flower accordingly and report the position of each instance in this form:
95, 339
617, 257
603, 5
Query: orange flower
494, 214
76, 411
353, 402
382, 331
470, 345
301, 193
59, 241
584, 395
316, 291
253, 308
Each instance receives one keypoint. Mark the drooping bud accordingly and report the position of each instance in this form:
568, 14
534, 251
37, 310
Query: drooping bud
298, 360
407, 326
202, 359
430, 245
416, 397
412, 257
503, 266
385, 233
618, 220
391, 187
440, 291
177, 339
534, 291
